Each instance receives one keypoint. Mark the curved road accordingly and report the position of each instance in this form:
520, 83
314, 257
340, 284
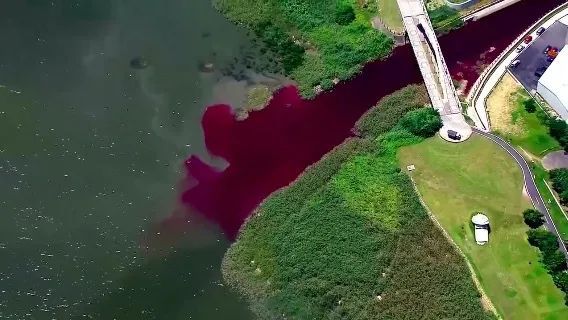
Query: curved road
530, 185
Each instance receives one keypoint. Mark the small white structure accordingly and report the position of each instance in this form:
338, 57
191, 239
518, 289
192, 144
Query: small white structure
481, 224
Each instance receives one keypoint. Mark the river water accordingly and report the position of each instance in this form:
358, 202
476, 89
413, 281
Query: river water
91, 159
92, 150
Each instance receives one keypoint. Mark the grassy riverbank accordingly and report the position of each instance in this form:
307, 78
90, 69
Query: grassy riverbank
350, 240
315, 43
456, 180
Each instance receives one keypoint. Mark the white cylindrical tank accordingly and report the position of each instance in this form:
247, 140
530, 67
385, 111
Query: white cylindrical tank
480, 219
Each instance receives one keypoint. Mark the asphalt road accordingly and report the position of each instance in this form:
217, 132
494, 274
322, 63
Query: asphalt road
530, 185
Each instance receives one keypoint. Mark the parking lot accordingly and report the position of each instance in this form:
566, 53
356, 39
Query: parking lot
533, 57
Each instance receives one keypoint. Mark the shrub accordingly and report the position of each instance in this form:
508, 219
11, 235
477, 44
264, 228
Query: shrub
291, 55
344, 13
530, 105
423, 122
554, 261
561, 281
564, 197
542, 239
558, 129
559, 179
533, 218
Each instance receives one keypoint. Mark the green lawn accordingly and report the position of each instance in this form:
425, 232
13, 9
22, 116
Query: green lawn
390, 14
456, 180
556, 211
534, 135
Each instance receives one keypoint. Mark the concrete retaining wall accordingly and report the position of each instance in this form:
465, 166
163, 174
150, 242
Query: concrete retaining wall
461, 5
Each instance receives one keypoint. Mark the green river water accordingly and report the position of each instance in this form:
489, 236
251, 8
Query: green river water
91, 155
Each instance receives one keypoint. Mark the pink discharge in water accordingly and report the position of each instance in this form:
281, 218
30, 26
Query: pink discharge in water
273, 146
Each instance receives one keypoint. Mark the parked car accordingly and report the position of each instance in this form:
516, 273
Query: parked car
540, 71
454, 135
515, 63
540, 30
528, 39
547, 49
520, 49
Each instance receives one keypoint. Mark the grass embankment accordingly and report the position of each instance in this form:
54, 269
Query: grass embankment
510, 119
350, 239
456, 180
445, 19
313, 42
390, 15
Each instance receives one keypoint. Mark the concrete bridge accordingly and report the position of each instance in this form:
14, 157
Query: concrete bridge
433, 67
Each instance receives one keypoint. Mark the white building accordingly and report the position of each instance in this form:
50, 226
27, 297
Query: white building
481, 224
553, 85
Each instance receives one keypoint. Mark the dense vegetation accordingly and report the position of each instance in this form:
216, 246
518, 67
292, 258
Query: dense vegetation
313, 42
558, 130
350, 239
533, 218
559, 178
552, 258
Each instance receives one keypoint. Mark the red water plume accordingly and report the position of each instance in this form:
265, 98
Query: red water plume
269, 149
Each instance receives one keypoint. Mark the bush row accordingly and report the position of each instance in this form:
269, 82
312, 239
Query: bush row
552, 258
559, 178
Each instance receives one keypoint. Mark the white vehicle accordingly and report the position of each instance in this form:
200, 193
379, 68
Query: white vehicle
520, 48
481, 224
515, 63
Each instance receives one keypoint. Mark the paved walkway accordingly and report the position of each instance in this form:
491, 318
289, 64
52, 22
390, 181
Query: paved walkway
555, 160
433, 67
530, 186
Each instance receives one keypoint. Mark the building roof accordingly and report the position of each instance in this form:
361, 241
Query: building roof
555, 79
480, 219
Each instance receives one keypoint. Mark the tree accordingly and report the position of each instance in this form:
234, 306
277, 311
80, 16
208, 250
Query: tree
542, 239
564, 197
557, 128
559, 179
344, 13
561, 281
554, 261
530, 105
424, 122
533, 218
